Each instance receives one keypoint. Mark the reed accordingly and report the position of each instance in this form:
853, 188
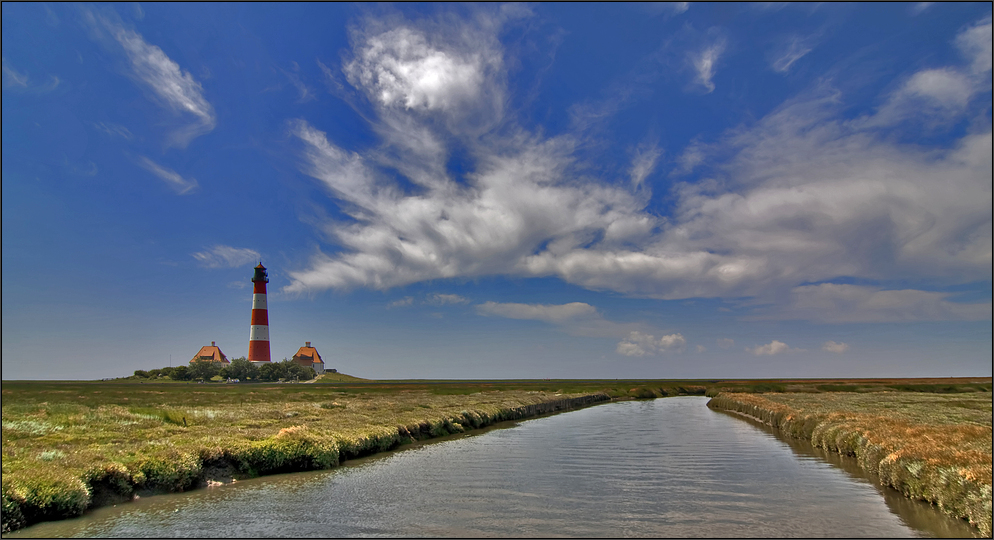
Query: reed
933, 447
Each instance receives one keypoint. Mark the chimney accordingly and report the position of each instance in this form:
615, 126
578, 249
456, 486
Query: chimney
307, 344
212, 344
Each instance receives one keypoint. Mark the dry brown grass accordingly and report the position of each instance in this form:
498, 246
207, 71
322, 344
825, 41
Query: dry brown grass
928, 446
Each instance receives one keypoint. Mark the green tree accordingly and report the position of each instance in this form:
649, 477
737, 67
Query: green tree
298, 372
272, 371
154, 373
180, 373
243, 370
204, 370
141, 374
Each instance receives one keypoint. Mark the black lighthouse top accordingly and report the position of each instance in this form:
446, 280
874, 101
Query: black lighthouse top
260, 274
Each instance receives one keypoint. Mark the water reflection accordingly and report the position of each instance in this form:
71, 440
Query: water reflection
668, 467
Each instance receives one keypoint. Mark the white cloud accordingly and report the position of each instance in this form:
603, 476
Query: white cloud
834, 347
726, 343
705, 64
173, 179
920, 7
837, 303
175, 88
662, 8
555, 313
801, 196
641, 344
772, 348
975, 43
221, 256
943, 94
438, 299
701, 349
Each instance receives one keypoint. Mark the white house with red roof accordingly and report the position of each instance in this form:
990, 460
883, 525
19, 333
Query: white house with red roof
210, 353
308, 356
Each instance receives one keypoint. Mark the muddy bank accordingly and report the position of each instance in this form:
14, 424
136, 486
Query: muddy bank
293, 449
908, 465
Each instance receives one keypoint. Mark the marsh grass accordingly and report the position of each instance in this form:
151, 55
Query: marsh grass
70, 446
931, 446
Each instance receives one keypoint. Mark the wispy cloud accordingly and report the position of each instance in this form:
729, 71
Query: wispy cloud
643, 163
175, 88
221, 256
705, 63
304, 92
15, 80
179, 184
11, 77
111, 128
918, 8
794, 50
726, 343
402, 302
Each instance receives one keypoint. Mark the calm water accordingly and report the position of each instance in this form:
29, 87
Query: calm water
669, 467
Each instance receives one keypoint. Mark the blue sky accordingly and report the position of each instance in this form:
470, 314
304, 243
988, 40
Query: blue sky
500, 191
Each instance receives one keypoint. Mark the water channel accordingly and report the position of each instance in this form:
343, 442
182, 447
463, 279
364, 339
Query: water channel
664, 468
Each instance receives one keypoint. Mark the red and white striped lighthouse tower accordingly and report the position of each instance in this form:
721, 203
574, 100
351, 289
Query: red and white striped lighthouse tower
259, 334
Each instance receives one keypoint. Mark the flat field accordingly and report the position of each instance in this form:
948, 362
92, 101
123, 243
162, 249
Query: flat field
69, 446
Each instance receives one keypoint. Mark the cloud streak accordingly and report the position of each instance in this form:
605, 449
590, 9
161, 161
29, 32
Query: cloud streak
221, 256
173, 87
180, 185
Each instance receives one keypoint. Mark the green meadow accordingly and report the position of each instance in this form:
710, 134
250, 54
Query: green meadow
69, 446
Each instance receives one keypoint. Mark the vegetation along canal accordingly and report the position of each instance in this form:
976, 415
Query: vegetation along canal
665, 467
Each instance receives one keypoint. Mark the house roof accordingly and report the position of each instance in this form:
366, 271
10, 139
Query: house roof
311, 353
210, 353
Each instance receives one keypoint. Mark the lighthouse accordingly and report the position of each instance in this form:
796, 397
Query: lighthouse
259, 333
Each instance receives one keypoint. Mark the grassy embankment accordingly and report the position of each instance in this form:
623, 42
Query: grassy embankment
69, 446
934, 447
